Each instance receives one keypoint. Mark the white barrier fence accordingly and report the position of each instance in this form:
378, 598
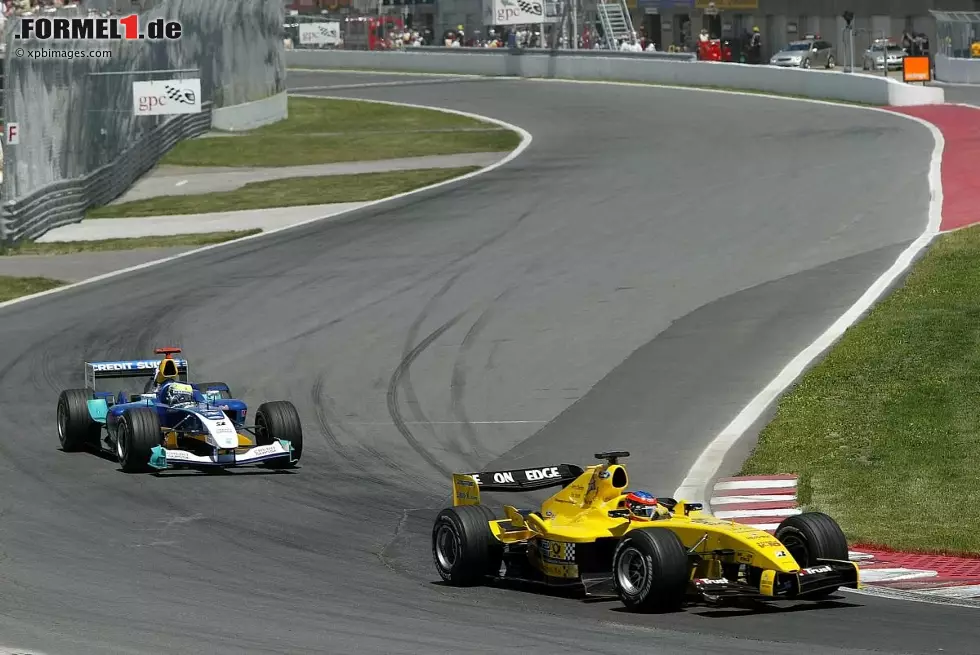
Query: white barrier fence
593, 65
957, 71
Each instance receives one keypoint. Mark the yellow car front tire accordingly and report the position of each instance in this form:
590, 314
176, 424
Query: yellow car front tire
650, 570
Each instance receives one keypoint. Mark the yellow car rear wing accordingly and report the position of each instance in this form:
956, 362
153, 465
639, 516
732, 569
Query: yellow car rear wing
467, 486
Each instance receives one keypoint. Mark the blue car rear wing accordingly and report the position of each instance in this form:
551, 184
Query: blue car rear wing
128, 369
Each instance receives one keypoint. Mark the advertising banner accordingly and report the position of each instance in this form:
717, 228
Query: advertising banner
161, 97
727, 5
324, 33
519, 12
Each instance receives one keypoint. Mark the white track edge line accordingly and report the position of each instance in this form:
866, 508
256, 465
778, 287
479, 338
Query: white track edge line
708, 463
526, 139
909, 596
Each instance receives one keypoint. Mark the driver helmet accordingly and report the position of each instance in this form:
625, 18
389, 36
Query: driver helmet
177, 393
642, 505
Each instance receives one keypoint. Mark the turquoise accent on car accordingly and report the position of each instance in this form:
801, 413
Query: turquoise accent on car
288, 445
158, 457
98, 408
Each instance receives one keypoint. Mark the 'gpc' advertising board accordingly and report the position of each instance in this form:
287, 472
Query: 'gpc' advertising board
519, 12
163, 97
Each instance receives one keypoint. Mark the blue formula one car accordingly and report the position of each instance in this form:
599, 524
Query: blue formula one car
172, 423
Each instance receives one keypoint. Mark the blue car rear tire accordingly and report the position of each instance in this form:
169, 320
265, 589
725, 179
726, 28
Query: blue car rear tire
76, 429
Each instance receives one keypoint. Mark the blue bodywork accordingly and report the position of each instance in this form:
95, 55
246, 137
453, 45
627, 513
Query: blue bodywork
194, 417
107, 407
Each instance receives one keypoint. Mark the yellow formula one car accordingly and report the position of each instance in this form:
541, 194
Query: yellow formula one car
653, 553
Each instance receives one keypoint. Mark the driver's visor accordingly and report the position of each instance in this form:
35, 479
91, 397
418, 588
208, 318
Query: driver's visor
642, 511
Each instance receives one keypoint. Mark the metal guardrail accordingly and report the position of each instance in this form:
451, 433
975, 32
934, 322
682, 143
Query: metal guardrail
66, 201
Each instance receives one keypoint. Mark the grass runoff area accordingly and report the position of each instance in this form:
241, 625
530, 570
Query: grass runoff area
14, 287
286, 192
104, 245
885, 432
330, 131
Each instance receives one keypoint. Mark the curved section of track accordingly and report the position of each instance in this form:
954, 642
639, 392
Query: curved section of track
610, 277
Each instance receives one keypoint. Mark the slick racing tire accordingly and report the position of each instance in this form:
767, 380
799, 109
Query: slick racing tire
650, 570
137, 433
220, 387
464, 549
76, 429
812, 536
278, 419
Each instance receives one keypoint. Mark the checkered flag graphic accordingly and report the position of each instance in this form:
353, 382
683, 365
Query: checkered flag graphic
183, 96
530, 7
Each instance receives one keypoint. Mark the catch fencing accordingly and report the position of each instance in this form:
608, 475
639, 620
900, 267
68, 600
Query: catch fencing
81, 144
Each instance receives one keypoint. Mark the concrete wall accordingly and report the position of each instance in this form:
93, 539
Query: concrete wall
76, 114
818, 84
958, 71
250, 115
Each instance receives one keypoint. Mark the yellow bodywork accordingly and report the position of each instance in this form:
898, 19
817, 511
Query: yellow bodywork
170, 439
580, 513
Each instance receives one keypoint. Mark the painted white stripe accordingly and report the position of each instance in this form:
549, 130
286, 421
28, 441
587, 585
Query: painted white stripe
910, 596
753, 484
706, 466
857, 557
526, 139
769, 527
966, 591
445, 422
761, 498
746, 513
894, 575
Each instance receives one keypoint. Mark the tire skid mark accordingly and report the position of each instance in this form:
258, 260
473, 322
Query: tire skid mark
457, 385
402, 375
411, 399
323, 417
396, 378
327, 418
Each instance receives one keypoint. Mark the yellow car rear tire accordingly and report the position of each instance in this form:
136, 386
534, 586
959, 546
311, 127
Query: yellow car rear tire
464, 550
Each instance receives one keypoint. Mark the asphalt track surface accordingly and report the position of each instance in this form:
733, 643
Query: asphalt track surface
967, 95
609, 289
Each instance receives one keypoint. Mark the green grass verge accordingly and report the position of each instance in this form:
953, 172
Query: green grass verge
15, 287
885, 431
286, 192
174, 241
300, 140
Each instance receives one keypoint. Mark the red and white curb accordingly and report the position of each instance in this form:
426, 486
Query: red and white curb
763, 501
